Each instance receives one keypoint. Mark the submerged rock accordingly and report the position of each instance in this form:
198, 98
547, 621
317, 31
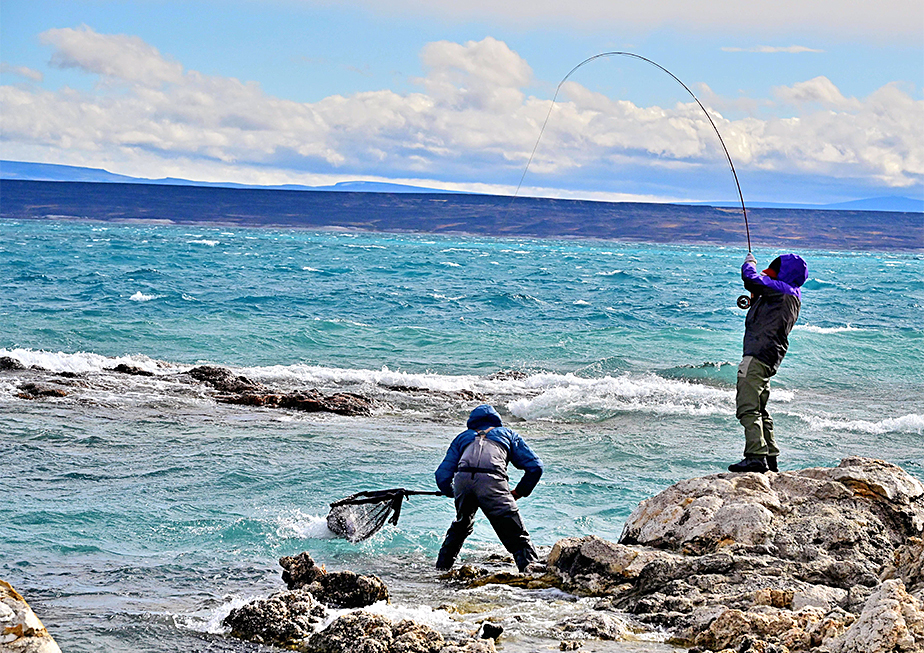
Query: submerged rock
339, 589
798, 561
37, 390
20, 630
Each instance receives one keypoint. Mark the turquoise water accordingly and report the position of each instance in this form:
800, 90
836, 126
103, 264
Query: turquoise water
138, 511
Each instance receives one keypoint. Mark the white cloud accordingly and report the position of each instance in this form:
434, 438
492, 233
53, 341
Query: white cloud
120, 57
820, 90
22, 71
885, 20
471, 124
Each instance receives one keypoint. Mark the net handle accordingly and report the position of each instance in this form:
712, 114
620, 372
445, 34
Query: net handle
375, 496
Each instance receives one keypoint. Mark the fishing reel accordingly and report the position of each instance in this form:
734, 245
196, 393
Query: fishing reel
744, 302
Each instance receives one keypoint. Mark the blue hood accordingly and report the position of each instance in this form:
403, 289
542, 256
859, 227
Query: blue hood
483, 417
793, 270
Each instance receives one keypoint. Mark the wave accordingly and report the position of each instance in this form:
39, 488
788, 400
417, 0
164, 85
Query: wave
141, 297
587, 395
210, 243
818, 329
81, 362
911, 423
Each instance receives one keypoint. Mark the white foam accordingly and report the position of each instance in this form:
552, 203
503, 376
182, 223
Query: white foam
210, 243
817, 329
301, 527
568, 394
911, 423
141, 297
79, 362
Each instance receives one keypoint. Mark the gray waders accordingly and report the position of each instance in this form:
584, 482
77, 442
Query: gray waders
481, 482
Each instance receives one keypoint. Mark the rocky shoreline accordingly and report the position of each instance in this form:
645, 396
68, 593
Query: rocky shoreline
819, 560
220, 383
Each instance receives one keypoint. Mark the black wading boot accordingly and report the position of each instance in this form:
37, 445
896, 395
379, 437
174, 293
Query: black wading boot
757, 464
771, 464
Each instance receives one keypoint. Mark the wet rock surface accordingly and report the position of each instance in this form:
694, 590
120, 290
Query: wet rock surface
284, 619
294, 619
223, 384
339, 589
822, 559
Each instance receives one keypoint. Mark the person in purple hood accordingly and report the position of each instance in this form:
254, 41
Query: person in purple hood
775, 302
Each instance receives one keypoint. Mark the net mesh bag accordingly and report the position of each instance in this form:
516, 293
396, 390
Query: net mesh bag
362, 515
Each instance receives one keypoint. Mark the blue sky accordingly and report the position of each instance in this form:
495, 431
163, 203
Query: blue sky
818, 101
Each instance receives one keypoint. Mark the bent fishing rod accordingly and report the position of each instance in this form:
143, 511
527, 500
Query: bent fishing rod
601, 55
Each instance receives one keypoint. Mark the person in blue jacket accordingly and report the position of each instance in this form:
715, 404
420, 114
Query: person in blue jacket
775, 302
474, 472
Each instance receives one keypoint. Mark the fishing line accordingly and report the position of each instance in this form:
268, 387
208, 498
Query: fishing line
731, 165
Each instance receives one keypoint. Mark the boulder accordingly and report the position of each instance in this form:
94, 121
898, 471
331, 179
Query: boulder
756, 561
284, 619
892, 621
341, 589
9, 363
20, 630
371, 633
223, 379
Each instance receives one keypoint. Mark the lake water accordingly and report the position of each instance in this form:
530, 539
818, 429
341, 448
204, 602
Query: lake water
138, 511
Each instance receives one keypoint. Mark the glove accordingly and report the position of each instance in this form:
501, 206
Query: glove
750, 259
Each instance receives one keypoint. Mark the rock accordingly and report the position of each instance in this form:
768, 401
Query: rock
35, 390
490, 631
592, 562
8, 363
223, 380
124, 368
312, 401
600, 625
284, 619
22, 630
341, 589
756, 562
858, 513
909, 566
891, 622
363, 632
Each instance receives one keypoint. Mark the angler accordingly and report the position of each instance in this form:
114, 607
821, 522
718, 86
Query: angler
774, 310
474, 472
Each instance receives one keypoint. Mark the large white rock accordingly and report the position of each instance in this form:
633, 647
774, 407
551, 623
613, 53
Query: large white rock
22, 631
891, 622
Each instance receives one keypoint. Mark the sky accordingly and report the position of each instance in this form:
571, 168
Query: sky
816, 101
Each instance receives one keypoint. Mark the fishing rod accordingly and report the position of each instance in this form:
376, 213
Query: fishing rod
743, 300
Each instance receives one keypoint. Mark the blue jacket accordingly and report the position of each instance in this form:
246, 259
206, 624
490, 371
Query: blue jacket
774, 310
518, 452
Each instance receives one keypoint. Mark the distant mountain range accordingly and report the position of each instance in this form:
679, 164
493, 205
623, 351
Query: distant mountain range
21, 170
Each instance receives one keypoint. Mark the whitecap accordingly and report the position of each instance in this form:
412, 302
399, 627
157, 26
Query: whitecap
79, 362
911, 423
141, 297
826, 330
450, 264
210, 243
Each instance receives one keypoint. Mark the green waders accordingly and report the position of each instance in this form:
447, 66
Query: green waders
751, 400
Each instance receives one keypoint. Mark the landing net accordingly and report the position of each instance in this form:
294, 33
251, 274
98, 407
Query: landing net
362, 515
